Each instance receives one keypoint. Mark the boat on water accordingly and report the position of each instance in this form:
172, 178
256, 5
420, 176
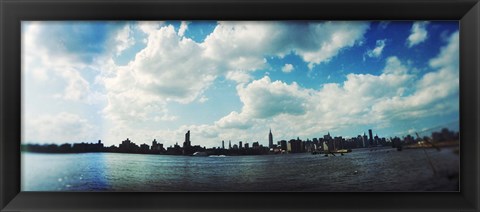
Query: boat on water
340, 151
217, 156
200, 154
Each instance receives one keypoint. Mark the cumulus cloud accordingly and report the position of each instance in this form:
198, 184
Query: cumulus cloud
52, 65
124, 39
418, 33
149, 27
183, 28
264, 98
59, 128
234, 120
362, 99
246, 43
287, 68
175, 68
377, 51
436, 92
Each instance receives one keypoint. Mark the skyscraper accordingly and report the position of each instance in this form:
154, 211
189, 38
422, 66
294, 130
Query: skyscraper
270, 139
187, 140
223, 144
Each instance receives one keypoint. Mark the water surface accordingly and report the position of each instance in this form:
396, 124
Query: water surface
384, 169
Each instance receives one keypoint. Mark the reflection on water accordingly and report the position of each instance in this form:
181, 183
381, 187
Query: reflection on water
362, 170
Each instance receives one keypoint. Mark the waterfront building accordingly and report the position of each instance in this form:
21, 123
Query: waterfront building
187, 145
360, 142
294, 146
255, 145
365, 140
229, 144
376, 140
338, 143
283, 145
156, 146
223, 144
144, 148
246, 145
187, 142
240, 145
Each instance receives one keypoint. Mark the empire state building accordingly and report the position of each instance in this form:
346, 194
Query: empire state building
270, 139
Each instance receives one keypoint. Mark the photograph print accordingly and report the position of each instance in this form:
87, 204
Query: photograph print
236, 106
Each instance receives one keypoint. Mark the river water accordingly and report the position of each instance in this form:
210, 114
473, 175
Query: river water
383, 169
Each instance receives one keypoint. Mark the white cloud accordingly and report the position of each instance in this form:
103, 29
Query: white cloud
246, 44
329, 38
59, 128
377, 51
183, 28
175, 68
287, 68
263, 98
203, 99
149, 27
52, 66
361, 100
418, 33
124, 39
436, 92
235, 120
239, 76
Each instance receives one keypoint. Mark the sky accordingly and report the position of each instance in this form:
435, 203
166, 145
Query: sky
89, 81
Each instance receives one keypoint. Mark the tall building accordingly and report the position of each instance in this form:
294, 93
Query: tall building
370, 140
187, 142
270, 139
229, 144
365, 140
240, 145
223, 144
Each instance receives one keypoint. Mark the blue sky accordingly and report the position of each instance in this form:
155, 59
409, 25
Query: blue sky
85, 81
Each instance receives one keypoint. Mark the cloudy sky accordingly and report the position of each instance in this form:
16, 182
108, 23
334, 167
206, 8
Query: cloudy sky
85, 81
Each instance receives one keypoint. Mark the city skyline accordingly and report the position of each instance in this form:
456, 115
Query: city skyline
88, 81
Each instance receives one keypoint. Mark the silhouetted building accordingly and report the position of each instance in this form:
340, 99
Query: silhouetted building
223, 144
294, 146
365, 140
240, 145
270, 139
376, 140
144, 148
283, 145
128, 147
187, 143
156, 147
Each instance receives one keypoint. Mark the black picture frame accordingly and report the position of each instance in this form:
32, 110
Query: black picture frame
12, 12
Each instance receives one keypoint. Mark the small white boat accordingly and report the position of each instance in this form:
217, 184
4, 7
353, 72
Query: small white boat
204, 154
217, 156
